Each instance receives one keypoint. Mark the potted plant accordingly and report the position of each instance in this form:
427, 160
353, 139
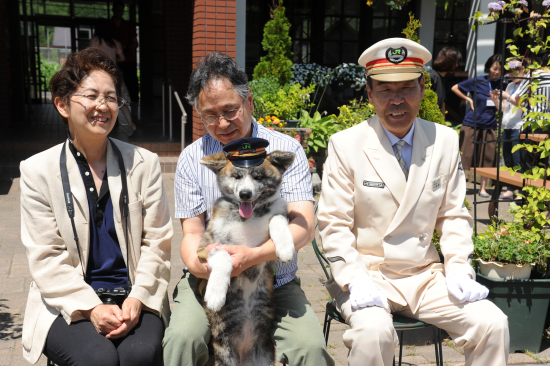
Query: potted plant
503, 255
298, 133
523, 242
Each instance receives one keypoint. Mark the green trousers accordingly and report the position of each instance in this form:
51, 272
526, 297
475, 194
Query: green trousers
297, 333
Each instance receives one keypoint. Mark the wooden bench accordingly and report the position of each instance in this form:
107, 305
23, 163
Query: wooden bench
505, 178
537, 137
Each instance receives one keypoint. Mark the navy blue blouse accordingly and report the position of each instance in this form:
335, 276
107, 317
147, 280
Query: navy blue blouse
106, 268
485, 115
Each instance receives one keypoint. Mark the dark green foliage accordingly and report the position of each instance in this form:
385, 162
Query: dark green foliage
429, 110
412, 26
515, 249
277, 43
284, 102
48, 69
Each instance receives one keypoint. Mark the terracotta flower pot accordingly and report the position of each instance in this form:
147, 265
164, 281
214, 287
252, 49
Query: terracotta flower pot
500, 271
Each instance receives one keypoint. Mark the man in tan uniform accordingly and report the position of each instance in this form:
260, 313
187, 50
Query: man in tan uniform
387, 184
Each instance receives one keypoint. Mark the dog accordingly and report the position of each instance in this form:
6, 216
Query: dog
249, 212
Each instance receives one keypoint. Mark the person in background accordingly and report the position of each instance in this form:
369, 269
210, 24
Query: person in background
104, 41
511, 120
485, 119
125, 32
445, 63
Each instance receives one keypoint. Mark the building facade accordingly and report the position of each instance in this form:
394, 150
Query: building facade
174, 34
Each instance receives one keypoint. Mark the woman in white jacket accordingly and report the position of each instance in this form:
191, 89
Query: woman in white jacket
94, 220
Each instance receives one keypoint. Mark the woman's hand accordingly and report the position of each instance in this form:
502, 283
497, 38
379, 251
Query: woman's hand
469, 100
105, 318
495, 94
131, 309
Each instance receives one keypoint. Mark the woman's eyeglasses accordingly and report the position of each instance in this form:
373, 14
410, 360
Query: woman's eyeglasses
111, 102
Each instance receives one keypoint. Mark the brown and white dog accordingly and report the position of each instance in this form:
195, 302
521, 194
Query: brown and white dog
249, 212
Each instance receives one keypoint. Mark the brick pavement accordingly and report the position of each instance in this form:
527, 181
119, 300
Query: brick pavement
15, 280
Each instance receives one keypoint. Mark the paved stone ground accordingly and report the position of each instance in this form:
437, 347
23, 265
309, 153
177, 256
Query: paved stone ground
15, 279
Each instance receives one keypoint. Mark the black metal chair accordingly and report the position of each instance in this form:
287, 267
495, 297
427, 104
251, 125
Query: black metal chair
400, 323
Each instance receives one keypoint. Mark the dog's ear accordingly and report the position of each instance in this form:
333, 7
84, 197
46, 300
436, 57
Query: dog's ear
214, 162
281, 159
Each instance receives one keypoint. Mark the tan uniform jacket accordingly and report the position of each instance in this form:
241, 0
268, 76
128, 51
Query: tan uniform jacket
58, 286
373, 221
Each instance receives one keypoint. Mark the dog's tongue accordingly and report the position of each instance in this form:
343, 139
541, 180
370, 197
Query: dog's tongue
245, 209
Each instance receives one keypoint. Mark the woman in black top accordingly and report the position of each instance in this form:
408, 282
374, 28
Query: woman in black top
445, 63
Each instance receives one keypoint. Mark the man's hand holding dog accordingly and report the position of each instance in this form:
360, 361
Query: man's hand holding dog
242, 256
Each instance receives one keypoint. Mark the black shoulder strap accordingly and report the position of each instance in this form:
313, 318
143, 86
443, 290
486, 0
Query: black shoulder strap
122, 169
125, 209
69, 200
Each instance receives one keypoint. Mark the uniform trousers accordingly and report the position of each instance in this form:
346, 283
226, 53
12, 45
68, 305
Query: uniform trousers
480, 327
297, 332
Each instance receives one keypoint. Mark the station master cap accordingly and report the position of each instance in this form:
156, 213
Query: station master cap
395, 59
247, 151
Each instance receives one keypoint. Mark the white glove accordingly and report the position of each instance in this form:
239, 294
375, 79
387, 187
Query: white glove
363, 292
464, 288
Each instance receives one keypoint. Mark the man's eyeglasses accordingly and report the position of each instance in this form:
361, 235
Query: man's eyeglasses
111, 102
214, 119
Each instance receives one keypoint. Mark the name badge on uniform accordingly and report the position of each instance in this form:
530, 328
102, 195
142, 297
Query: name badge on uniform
490, 103
373, 184
436, 184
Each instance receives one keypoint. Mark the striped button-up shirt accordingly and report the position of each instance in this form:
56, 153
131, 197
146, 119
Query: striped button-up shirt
196, 188
543, 88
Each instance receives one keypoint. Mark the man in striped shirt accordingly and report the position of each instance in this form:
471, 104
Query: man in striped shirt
219, 91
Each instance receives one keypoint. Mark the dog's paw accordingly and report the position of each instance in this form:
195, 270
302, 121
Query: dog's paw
215, 300
285, 252
216, 289
282, 238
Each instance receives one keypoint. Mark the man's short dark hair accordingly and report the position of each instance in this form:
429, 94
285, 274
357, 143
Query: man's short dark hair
369, 80
497, 57
541, 58
118, 3
215, 66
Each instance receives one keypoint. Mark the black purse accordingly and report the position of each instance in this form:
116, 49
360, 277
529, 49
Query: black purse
108, 296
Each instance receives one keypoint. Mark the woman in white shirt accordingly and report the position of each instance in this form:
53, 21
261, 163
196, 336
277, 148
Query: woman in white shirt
511, 120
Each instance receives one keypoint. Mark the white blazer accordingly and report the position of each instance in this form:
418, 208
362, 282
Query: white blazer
373, 221
58, 286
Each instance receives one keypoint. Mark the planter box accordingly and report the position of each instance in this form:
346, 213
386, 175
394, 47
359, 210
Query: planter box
300, 134
525, 303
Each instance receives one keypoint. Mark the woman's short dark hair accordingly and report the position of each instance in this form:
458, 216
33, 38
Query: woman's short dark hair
446, 59
497, 57
104, 35
216, 66
77, 67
